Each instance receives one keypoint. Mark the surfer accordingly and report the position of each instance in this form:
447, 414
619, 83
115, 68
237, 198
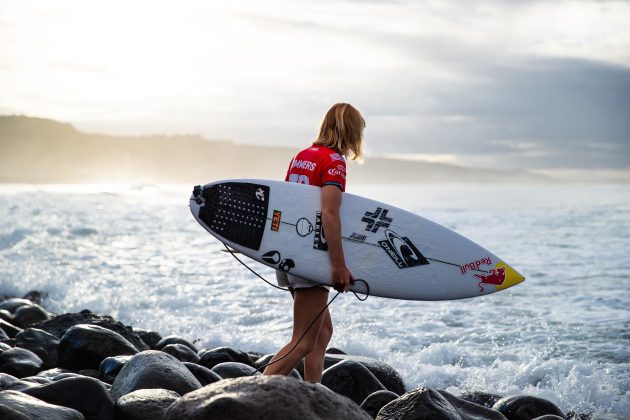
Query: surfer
322, 164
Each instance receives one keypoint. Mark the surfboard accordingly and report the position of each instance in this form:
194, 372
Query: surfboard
399, 254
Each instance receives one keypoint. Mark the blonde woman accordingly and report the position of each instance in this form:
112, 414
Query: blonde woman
322, 164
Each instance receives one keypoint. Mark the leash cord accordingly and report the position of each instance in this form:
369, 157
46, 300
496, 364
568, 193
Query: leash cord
367, 286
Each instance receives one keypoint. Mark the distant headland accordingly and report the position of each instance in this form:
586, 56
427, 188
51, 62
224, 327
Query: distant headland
38, 150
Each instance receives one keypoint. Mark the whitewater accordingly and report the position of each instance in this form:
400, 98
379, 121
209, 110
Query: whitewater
136, 253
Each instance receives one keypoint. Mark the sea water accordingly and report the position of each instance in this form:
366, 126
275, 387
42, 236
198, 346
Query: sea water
137, 254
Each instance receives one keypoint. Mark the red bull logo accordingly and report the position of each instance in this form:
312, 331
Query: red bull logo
495, 277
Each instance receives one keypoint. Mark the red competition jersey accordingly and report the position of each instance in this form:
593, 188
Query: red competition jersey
319, 166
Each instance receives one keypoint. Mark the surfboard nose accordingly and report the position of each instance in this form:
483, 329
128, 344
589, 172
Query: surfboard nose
512, 277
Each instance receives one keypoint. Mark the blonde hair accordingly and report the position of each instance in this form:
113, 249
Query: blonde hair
342, 130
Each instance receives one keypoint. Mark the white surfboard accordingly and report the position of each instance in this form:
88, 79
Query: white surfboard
397, 253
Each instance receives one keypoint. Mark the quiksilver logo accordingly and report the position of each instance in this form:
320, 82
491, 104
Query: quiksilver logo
401, 250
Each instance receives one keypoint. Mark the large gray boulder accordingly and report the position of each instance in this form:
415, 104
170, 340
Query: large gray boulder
20, 362
153, 369
36, 409
264, 397
351, 379
86, 395
85, 346
58, 326
522, 407
429, 404
145, 404
41, 343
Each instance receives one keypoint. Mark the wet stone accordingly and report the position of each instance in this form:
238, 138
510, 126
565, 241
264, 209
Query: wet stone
20, 362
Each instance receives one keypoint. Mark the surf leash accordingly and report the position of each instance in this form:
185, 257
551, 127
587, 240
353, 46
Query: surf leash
367, 294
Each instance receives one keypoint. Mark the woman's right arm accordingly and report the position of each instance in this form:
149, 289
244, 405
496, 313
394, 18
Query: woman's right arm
331, 203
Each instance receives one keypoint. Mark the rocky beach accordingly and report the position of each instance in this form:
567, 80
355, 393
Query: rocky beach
90, 366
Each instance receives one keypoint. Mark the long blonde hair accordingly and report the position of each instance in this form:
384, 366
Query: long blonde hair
342, 130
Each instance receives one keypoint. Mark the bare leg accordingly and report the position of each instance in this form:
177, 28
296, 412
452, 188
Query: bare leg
307, 303
314, 361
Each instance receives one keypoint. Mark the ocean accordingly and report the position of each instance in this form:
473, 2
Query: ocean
136, 253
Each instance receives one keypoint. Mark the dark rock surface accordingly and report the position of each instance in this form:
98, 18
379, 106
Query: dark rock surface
52, 373
211, 358
41, 343
111, 366
264, 397
58, 325
86, 346
482, 398
526, 407
376, 400
34, 408
386, 374
150, 338
6, 315
145, 404
175, 339
20, 362
6, 380
9, 328
204, 375
181, 352
86, 395
429, 404
13, 304
549, 417
334, 350
7, 413
153, 369
234, 370
25, 316
351, 379
35, 296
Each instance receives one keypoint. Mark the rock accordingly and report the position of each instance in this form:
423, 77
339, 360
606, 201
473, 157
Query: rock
34, 408
429, 404
86, 395
549, 417
333, 350
376, 400
181, 352
21, 385
10, 329
264, 397
482, 398
174, 339
13, 304
4, 346
383, 372
41, 343
574, 415
234, 370
58, 326
153, 369
35, 296
38, 379
151, 338
386, 374
85, 347
526, 407
90, 373
211, 358
204, 375
145, 404
25, 316
111, 366
6, 381
52, 373
352, 380
7, 413
20, 362
3, 335
6, 315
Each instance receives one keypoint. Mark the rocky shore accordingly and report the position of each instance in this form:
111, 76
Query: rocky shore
90, 366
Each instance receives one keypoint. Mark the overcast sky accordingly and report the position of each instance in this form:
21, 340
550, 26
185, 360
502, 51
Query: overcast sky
505, 84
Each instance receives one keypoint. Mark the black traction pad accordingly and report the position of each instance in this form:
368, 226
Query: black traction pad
237, 211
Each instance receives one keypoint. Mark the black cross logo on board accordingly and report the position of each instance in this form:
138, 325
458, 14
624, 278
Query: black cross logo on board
376, 220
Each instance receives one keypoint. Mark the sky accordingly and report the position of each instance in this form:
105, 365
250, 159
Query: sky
527, 85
